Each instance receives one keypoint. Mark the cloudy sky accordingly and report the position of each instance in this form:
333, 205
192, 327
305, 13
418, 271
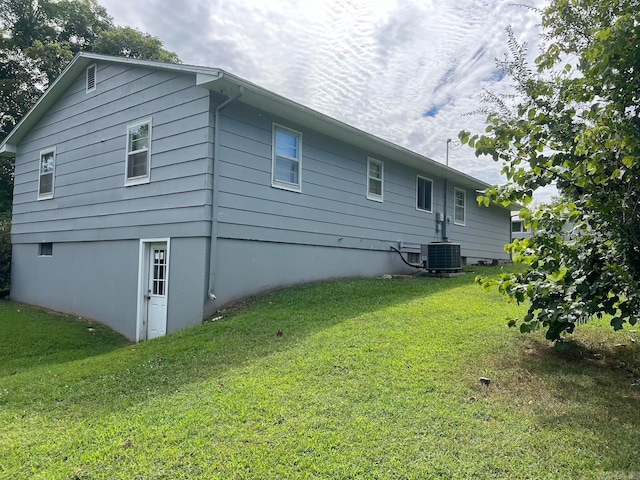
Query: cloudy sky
407, 71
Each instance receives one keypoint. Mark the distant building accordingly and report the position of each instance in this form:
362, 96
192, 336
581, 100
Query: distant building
518, 229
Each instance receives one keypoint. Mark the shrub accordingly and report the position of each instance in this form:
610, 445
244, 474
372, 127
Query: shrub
5, 253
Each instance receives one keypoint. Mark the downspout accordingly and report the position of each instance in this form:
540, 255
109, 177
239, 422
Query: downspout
511, 234
213, 257
446, 186
444, 214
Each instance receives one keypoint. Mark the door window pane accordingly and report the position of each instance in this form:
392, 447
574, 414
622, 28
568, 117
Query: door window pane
159, 279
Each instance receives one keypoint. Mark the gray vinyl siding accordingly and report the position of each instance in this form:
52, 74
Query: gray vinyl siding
89, 132
486, 229
333, 203
332, 209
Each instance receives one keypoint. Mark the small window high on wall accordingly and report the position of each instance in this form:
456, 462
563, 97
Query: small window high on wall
424, 194
286, 163
138, 153
460, 205
375, 179
46, 177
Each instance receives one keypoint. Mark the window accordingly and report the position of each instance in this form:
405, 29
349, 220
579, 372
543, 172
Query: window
91, 78
138, 153
424, 194
516, 226
45, 249
286, 168
47, 170
375, 179
460, 197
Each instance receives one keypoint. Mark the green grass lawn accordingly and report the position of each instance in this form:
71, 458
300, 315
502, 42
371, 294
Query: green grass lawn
369, 378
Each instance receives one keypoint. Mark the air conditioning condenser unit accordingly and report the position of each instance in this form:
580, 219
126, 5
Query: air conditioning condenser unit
441, 256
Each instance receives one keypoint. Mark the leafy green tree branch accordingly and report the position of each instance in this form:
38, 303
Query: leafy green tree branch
574, 121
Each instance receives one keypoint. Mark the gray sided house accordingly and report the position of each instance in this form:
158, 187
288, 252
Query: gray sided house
149, 195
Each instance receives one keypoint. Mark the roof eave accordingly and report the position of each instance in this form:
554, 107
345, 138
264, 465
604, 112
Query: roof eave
46, 100
68, 76
227, 84
223, 82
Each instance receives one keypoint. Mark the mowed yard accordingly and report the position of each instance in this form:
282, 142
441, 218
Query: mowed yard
366, 378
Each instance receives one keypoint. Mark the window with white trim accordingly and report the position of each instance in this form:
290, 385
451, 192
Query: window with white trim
46, 173
460, 206
517, 227
138, 153
45, 249
424, 194
91, 77
375, 179
286, 167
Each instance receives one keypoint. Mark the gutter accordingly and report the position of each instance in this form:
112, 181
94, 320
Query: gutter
213, 256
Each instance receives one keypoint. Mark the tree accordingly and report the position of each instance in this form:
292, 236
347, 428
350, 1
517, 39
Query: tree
575, 122
131, 43
38, 38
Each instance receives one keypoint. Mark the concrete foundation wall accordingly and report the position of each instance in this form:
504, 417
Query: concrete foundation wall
247, 267
99, 281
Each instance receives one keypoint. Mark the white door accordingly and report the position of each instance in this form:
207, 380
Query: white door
157, 290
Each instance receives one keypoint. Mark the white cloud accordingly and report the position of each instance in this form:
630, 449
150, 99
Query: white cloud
407, 71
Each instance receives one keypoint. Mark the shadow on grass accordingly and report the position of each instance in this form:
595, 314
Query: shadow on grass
591, 387
112, 377
33, 337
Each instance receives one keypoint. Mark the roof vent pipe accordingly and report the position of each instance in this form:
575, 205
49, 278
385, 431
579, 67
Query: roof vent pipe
214, 194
